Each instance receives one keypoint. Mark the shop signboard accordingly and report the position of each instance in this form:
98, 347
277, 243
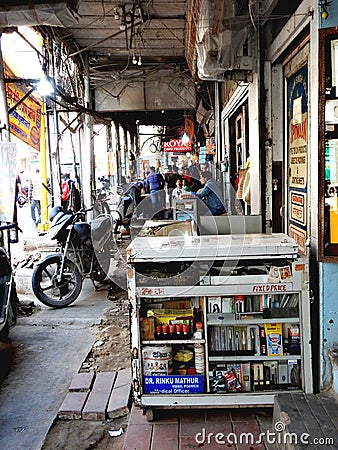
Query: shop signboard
210, 146
297, 111
173, 384
176, 146
25, 119
298, 207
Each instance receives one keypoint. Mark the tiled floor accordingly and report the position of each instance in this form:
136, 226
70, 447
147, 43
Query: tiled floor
195, 429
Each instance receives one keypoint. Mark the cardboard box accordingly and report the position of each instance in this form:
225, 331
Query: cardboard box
148, 328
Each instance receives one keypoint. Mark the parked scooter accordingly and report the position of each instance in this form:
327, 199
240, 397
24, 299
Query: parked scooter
126, 209
8, 296
102, 197
84, 251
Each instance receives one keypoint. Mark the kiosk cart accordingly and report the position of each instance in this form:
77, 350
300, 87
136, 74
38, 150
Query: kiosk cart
217, 321
186, 207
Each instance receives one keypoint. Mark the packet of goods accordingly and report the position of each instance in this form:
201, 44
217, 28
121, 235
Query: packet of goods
274, 342
184, 356
170, 315
170, 312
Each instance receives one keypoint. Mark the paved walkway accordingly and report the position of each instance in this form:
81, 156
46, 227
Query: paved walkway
195, 429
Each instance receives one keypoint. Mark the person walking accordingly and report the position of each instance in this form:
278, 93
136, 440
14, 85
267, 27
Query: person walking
154, 185
211, 194
34, 195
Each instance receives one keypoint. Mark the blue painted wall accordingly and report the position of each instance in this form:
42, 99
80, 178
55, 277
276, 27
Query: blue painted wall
328, 279
328, 276
332, 19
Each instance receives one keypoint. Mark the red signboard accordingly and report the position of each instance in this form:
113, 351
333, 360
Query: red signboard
176, 146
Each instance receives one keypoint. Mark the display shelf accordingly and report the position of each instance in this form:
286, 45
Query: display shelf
173, 341
225, 289
257, 358
239, 322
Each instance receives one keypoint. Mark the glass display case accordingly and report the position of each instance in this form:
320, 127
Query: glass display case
218, 321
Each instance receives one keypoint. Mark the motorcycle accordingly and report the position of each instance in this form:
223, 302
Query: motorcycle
84, 252
8, 296
102, 197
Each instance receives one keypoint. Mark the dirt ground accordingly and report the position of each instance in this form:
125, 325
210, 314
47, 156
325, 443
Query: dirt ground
110, 352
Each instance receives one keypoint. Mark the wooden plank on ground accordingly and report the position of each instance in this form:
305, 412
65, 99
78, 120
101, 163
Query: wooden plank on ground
312, 426
293, 428
323, 418
330, 404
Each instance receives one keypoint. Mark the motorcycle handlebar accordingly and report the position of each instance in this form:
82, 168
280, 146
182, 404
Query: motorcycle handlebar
83, 210
7, 227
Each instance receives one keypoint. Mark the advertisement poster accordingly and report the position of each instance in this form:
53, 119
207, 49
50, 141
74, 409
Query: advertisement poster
7, 181
297, 111
210, 146
25, 120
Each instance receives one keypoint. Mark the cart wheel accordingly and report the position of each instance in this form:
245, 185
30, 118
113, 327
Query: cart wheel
150, 415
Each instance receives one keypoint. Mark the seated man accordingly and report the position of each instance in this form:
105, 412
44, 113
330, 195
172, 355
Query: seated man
211, 194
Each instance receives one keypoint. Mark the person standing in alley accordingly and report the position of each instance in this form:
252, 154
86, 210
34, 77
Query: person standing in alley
154, 185
65, 190
170, 178
34, 195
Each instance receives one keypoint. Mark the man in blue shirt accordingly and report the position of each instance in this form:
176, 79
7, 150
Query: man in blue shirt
154, 185
211, 194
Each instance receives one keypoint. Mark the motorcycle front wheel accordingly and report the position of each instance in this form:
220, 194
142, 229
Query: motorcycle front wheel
52, 291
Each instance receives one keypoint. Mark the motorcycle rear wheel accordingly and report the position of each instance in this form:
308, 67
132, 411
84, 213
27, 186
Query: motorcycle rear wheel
49, 290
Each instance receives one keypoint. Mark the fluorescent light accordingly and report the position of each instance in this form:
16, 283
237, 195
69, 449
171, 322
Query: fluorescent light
185, 138
44, 86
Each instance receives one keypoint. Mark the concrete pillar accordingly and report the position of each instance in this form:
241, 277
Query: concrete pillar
268, 147
6, 137
54, 156
87, 166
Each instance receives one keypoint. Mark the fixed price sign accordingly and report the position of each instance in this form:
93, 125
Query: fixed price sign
176, 146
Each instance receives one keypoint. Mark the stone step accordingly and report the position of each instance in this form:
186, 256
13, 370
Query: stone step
303, 420
96, 404
97, 396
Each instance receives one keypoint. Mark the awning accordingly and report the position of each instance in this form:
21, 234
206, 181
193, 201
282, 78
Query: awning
55, 13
